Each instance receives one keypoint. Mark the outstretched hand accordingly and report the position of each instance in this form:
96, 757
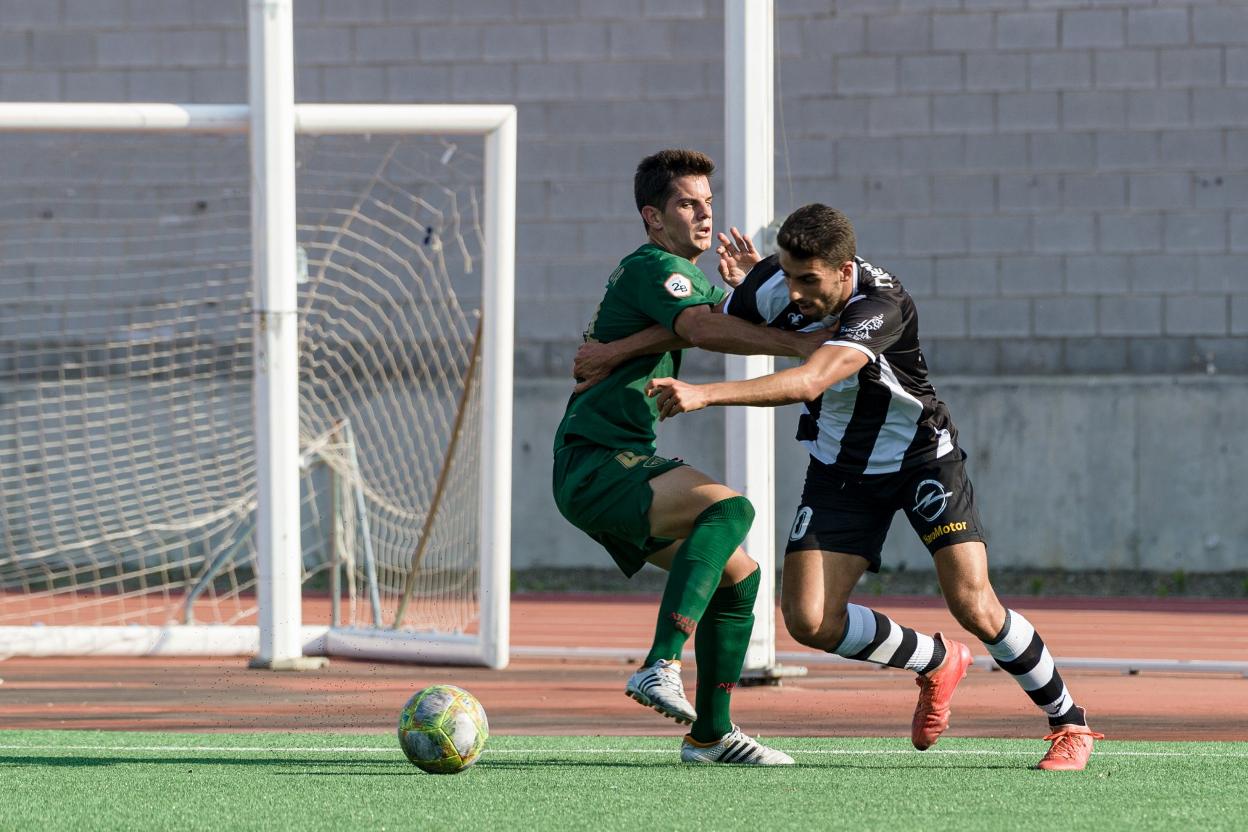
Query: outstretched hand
594, 361
737, 256
676, 396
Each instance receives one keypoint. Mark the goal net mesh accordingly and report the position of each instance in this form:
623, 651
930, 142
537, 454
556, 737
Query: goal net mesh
127, 453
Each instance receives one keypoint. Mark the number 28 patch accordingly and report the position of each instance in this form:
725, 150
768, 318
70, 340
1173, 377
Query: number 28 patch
678, 286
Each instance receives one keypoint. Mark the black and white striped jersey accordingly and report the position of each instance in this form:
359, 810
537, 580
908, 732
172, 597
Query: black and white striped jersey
887, 417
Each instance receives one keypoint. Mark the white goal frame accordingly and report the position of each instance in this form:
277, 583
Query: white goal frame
280, 641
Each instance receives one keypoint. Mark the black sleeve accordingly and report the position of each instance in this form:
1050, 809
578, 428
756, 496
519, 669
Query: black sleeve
743, 302
870, 325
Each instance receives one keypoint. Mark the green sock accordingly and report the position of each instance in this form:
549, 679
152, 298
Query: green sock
721, 644
696, 570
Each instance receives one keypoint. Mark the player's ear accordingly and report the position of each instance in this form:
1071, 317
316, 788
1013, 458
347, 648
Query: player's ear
653, 217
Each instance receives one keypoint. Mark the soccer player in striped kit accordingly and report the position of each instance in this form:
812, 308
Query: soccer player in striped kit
880, 441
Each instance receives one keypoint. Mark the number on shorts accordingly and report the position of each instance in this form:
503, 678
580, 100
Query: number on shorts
800, 523
629, 459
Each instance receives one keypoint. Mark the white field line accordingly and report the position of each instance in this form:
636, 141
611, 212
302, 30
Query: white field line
395, 750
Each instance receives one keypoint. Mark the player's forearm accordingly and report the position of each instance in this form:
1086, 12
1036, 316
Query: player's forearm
727, 334
785, 387
649, 341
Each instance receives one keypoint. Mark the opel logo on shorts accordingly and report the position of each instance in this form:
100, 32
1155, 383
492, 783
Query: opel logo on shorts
930, 499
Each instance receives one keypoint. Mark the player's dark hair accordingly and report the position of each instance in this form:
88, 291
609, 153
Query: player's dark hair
816, 230
653, 182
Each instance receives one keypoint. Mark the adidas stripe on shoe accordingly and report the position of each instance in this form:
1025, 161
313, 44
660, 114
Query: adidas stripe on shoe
659, 686
734, 748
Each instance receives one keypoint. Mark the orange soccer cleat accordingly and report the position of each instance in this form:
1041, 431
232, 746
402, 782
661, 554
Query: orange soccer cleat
931, 715
1072, 746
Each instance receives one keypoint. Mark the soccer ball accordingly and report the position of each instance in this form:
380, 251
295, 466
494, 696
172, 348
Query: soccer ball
442, 729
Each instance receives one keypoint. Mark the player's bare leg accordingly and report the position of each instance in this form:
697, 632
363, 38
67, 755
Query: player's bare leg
815, 602
814, 595
680, 495
1015, 645
962, 570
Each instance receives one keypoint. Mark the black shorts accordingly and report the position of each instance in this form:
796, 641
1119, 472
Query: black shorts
851, 513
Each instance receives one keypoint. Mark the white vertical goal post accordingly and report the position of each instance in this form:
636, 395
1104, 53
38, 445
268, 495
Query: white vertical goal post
749, 191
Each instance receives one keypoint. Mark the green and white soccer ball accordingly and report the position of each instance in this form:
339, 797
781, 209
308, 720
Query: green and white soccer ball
443, 729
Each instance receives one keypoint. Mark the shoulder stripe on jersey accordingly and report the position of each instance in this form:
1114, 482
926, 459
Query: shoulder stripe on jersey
852, 345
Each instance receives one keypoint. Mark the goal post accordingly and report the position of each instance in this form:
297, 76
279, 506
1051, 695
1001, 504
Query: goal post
749, 202
130, 502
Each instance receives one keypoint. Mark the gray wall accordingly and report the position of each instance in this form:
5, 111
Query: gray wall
1099, 472
1062, 184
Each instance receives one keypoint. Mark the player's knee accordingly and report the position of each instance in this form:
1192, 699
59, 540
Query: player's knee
804, 628
740, 509
810, 626
734, 513
977, 610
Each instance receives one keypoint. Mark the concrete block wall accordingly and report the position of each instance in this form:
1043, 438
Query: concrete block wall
1095, 472
1062, 184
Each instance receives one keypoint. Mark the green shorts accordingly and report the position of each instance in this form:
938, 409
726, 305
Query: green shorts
605, 493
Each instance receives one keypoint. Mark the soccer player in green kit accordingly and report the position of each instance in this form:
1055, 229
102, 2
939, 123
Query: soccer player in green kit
642, 508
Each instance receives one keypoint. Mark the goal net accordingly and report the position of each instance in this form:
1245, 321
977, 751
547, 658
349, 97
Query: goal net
127, 446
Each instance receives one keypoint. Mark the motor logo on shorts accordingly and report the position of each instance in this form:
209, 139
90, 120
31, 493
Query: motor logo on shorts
930, 499
948, 528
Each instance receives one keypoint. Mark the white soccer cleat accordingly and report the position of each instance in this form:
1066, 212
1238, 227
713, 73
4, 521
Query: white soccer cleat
659, 686
734, 748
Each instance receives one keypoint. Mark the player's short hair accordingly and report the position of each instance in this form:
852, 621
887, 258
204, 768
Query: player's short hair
652, 183
817, 230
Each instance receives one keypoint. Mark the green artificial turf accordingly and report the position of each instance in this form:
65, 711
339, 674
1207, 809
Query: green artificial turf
104, 780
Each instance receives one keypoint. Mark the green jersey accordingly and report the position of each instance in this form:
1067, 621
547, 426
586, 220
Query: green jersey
649, 286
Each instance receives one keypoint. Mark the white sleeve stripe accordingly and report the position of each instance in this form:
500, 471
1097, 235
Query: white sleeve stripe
852, 345
727, 301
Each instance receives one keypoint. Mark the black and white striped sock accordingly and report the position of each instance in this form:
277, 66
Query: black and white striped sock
872, 637
1020, 651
